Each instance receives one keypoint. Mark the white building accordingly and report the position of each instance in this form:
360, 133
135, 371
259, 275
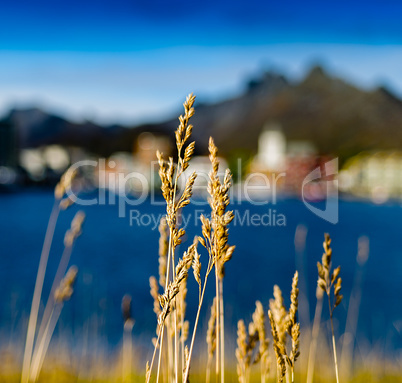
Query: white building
375, 175
272, 148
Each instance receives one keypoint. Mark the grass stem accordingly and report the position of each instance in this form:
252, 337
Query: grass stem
333, 341
185, 379
33, 316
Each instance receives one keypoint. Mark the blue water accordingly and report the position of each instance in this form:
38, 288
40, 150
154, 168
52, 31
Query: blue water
115, 258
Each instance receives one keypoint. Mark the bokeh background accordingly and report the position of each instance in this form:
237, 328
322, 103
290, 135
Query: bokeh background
281, 86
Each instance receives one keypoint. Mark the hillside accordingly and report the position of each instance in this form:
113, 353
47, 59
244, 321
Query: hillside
336, 116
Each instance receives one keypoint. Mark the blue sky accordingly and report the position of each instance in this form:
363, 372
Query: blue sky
131, 61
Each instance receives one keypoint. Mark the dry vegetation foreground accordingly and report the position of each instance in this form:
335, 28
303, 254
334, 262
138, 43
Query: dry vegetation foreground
270, 347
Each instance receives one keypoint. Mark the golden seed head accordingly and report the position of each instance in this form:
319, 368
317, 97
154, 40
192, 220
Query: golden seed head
147, 372
65, 183
75, 230
172, 290
188, 154
185, 330
163, 250
279, 313
326, 280
153, 284
65, 203
295, 335
188, 191
197, 268
337, 290
186, 362
65, 290
69, 238
241, 350
77, 222
211, 332
259, 324
215, 230
246, 344
184, 129
187, 260
291, 318
280, 352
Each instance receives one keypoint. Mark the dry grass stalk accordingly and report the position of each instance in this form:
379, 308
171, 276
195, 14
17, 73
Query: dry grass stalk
352, 316
197, 274
314, 335
163, 255
185, 330
241, 351
33, 317
62, 294
283, 324
188, 262
279, 313
166, 300
218, 250
153, 284
211, 339
221, 274
277, 317
197, 271
215, 233
163, 250
169, 174
259, 320
330, 284
65, 183
69, 239
215, 240
247, 353
292, 327
127, 338
147, 372
65, 203
60, 190
246, 344
75, 230
279, 349
186, 361
65, 290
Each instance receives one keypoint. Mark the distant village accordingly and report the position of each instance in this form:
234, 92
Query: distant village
372, 175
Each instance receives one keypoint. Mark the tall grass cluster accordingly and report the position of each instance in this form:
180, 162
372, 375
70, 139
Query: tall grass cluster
268, 348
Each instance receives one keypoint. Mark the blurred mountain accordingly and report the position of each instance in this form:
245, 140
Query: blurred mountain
336, 116
36, 128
